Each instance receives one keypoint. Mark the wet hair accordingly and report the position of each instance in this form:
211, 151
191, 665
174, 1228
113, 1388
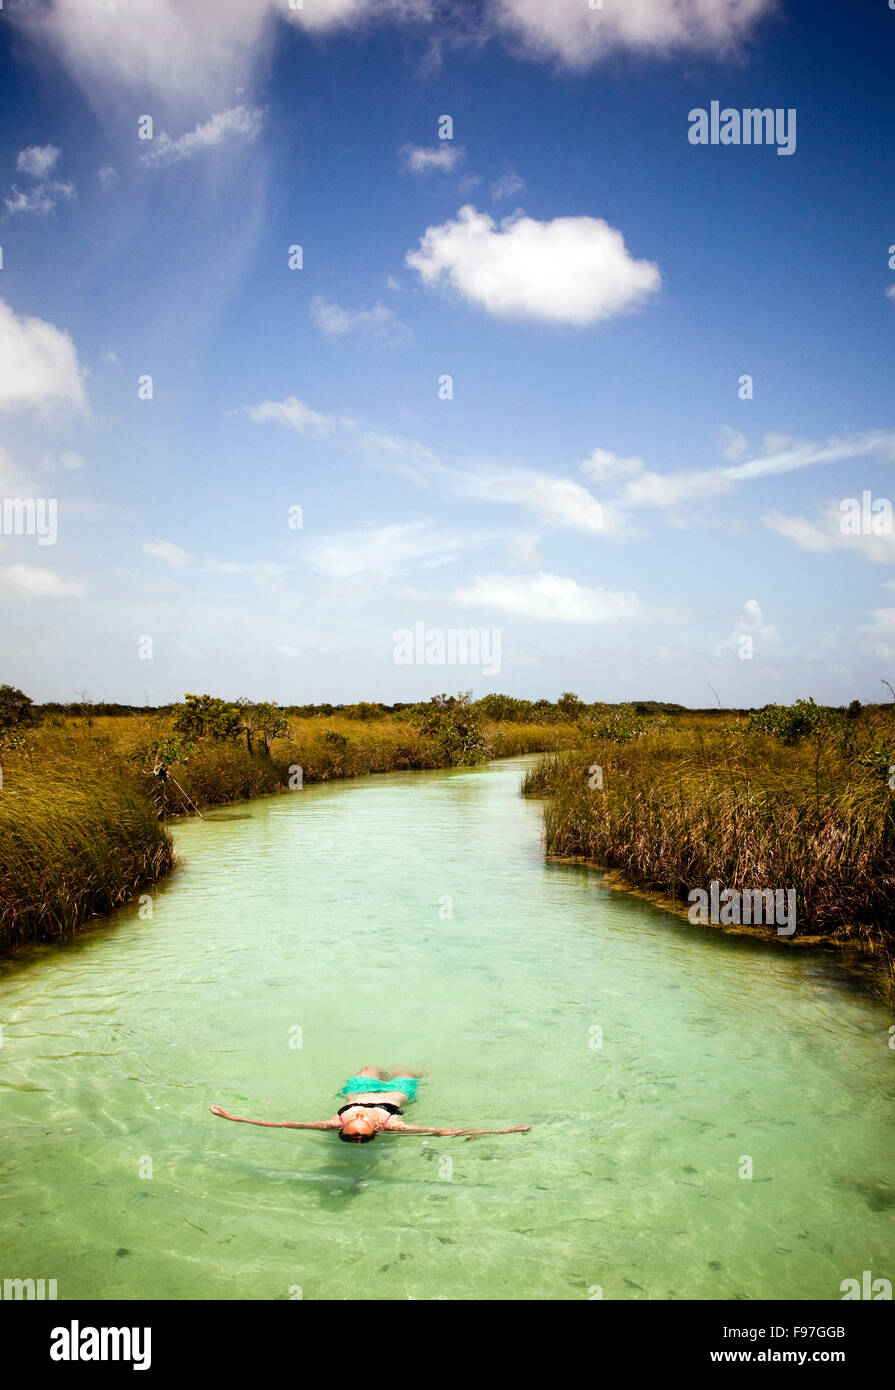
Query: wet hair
356, 1138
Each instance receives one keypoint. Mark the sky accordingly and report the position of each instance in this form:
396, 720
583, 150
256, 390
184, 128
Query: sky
323, 323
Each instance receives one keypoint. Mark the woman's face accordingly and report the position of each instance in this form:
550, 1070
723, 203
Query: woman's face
357, 1126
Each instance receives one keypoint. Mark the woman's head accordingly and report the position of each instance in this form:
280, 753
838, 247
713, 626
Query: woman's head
357, 1128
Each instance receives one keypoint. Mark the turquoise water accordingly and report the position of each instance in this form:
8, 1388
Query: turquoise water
409, 921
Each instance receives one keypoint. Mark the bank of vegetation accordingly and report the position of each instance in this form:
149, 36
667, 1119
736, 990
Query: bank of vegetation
86, 789
795, 797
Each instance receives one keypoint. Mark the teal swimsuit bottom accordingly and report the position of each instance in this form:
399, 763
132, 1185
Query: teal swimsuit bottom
363, 1085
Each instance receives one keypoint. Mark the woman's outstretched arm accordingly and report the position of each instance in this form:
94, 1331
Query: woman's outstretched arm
401, 1128
275, 1124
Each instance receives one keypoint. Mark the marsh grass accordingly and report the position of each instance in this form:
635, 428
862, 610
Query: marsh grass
81, 815
708, 799
73, 847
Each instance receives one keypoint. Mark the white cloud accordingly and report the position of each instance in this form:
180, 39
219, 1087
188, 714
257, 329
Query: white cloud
441, 158
38, 160
523, 550
573, 270
782, 455
890, 292
70, 461
826, 534
751, 625
38, 366
42, 199
733, 443
239, 122
556, 501
550, 598
194, 53
108, 177
167, 551
407, 457
880, 632
265, 569
577, 36
379, 322
291, 412
507, 186
386, 551
605, 467
38, 582
185, 52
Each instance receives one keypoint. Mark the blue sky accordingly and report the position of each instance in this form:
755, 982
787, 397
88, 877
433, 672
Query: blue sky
594, 284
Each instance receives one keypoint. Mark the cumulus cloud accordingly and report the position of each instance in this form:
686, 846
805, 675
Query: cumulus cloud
39, 367
550, 598
759, 636
573, 270
38, 582
38, 160
577, 36
238, 123
167, 551
107, 176
192, 53
379, 322
441, 158
293, 413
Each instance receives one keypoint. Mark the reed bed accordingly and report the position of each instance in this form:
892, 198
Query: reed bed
73, 845
82, 814
686, 802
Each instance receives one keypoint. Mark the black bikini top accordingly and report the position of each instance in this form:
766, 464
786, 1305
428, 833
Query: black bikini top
371, 1105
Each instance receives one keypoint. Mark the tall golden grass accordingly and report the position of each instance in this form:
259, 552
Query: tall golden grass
81, 815
691, 800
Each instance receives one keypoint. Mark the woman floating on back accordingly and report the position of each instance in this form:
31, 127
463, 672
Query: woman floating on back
372, 1109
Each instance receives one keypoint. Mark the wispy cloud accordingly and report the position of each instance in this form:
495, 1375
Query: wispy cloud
560, 502
442, 158
641, 487
41, 199
827, 533
239, 123
37, 582
550, 598
507, 186
167, 551
379, 322
293, 413
389, 551
38, 160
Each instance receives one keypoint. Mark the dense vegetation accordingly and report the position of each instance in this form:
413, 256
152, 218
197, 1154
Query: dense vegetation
798, 796
85, 793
